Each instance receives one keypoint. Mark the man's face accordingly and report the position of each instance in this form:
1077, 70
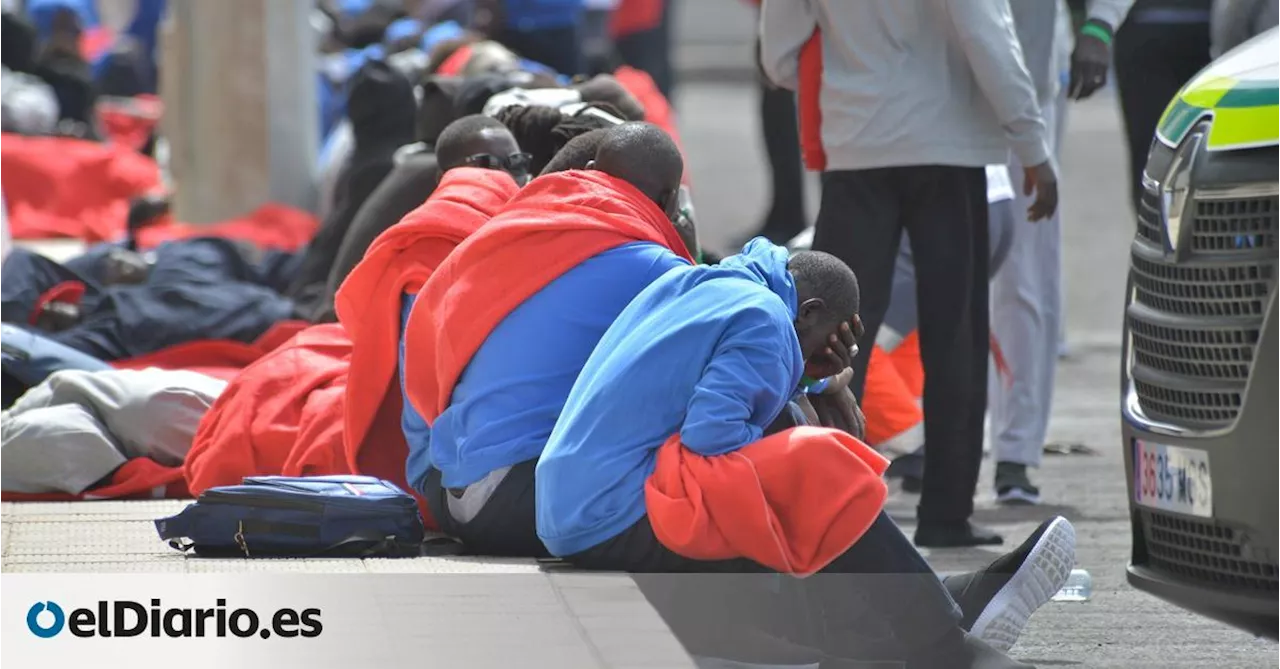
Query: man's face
123, 267
814, 327
496, 149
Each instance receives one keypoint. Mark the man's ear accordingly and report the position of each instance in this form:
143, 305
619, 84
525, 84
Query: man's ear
810, 311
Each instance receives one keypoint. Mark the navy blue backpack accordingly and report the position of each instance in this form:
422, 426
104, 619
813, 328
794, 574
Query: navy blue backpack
313, 516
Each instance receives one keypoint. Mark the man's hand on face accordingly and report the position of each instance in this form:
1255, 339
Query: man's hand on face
1090, 60
841, 349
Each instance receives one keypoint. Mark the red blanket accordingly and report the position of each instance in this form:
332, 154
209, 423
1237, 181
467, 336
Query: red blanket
552, 225
63, 187
217, 358
793, 501
399, 262
257, 425
271, 226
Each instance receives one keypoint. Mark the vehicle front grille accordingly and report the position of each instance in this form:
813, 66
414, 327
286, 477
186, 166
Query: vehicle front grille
1207, 551
1232, 225
1219, 226
1200, 311
1229, 290
1207, 354
1182, 407
1150, 226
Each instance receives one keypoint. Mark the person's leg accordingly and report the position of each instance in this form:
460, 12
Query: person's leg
780, 129
50, 446
946, 218
494, 516
859, 223
1026, 308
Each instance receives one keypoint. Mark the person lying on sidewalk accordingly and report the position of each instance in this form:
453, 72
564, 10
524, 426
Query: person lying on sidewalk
498, 334
711, 355
71, 432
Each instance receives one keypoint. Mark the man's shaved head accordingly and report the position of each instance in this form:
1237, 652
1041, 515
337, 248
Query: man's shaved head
472, 135
578, 153
645, 156
827, 295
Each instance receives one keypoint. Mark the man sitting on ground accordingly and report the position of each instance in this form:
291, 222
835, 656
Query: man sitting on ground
471, 141
506, 323
713, 354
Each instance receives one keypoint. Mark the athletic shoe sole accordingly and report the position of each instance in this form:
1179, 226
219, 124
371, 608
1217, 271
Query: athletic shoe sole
1039, 578
1018, 497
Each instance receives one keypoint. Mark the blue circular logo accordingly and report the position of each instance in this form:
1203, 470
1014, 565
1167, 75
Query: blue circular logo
43, 631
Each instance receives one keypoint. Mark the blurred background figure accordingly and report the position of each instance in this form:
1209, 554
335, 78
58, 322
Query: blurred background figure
780, 129
1235, 21
1158, 49
1027, 292
546, 31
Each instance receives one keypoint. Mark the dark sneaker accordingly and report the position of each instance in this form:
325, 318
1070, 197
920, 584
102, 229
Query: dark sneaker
998, 601
954, 534
1013, 486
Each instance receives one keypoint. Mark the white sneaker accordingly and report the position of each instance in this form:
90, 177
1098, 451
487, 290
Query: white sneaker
1000, 599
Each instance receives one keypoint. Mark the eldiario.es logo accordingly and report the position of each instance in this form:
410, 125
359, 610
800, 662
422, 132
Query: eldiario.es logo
124, 618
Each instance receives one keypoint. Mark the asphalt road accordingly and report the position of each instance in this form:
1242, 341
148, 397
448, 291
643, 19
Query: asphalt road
1119, 627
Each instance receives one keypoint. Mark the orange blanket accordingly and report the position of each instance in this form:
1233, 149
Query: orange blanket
399, 261
552, 225
793, 501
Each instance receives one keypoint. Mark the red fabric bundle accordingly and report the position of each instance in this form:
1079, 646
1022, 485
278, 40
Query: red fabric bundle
793, 501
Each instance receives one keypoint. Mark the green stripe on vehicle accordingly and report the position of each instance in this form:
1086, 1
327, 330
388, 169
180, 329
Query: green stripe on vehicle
1251, 94
1177, 121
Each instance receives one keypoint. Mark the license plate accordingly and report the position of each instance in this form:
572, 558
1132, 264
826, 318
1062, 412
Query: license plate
1172, 478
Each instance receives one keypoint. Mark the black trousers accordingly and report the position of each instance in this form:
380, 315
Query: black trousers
1153, 61
944, 210
779, 124
506, 525
880, 600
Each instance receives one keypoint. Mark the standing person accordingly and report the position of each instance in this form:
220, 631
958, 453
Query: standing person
1026, 294
1236, 21
780, 128
1157, 50
916, 98
546, 31
641, 30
